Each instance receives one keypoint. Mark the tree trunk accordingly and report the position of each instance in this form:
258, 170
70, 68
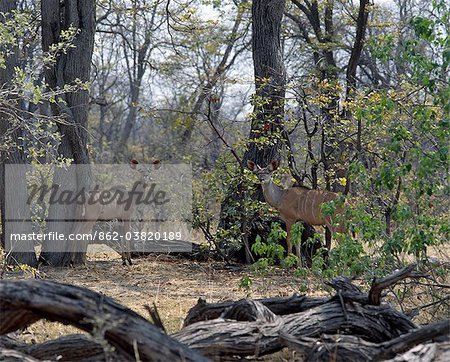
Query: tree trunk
70, 66
270, 81
268, 111
13, 184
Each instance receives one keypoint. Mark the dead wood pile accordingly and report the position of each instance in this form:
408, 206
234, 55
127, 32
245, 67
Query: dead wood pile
349, 326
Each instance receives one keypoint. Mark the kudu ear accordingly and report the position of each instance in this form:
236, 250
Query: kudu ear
156, 164
251, 165
133, 164
273, 165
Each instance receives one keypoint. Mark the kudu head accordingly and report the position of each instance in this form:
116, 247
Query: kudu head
146, 173
263, 174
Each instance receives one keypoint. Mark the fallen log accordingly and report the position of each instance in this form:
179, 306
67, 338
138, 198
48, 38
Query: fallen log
419, 336
74, 347
348, 326
258, 325
203, 311
12, 355
348, 347
430, 352
224, 337
218, 337
378, 285
338, 348
24, 302
249, 310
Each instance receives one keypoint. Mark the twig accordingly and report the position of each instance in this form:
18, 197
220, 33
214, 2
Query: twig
415, 311
154, 314
216, 131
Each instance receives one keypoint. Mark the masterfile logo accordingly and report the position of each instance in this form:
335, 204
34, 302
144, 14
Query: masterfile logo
148, 205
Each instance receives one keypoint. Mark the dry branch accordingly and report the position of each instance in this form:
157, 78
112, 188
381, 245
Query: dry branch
203, 311
378, 285
249, 310
214, 329
338, 348
74, 347
24, 302
346, 327
403, 343
12, 355
221, 336
351, 348
430, 352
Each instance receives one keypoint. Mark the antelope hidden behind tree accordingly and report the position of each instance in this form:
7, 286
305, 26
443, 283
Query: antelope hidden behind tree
90, 212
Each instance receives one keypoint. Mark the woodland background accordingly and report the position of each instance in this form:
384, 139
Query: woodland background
353, 96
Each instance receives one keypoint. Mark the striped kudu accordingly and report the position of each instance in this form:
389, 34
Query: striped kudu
296, 203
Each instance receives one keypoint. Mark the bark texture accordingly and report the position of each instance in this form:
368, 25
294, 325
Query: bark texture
346, 327
13, 185
270, 81
134, 338
71, 66
268, 110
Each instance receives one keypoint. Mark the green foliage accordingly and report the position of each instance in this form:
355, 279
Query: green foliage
245, 283
401, 179
296, 233
270, 251
30, 271
348, 258
20, 48
217, 187
382, 46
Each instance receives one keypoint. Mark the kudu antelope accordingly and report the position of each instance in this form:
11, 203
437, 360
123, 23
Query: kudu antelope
91, 212
295, 203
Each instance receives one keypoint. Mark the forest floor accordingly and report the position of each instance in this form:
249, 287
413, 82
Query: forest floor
172, 284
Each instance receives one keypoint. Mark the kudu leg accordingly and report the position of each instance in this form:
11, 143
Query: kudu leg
298, 252
82, 229
288, 238
289, 226
126, 244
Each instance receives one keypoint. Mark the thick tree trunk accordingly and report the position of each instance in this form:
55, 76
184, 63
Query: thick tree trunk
270, 81
268, 112
74, 64
13, 184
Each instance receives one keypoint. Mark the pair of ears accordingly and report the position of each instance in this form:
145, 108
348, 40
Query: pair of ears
134, 163
271, 167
